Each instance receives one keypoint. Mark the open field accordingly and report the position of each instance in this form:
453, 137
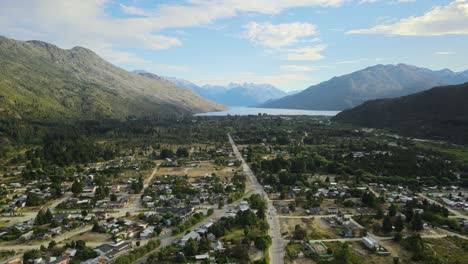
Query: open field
205, 168
316, 228
93, 237
451, 249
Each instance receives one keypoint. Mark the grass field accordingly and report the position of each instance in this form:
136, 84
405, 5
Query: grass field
450, 249
233, 235
316, 228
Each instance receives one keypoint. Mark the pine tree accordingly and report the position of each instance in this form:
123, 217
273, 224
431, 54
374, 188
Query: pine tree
387, 225
417, 223
399, 224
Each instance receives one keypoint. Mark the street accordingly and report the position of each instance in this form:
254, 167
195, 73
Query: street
277, 246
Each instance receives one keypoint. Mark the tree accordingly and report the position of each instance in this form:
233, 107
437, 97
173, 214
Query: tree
52, 244
299, 233
77, 188
97, 228
33, 199
417, 223
48, 216
166, 154
32, 254
399, 224
343, 255
182, 153
191, 247
398, 237
292, 207
379, 214
416, 244
43, 218
392, 210
263, 242
387, 224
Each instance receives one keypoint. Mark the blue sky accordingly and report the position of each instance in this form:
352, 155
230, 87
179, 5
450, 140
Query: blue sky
290, 44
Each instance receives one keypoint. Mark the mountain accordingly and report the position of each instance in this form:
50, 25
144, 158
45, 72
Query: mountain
380, 81
246, 94
41, 81
439, 113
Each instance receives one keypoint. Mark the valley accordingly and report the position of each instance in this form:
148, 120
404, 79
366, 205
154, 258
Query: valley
234, 132
287, 184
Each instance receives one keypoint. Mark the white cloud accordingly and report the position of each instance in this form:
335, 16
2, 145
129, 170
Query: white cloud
393, 1
444, 53
354, 61
279, 35
298, 68
311, 53
132, 10
84, 23
88, 23
441, 20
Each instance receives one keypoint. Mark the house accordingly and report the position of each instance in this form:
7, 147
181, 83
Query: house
111, 251
147, 232
244, 206
202, 257
218, 246
28, 235
182, 212
192, 235
147, 198
60, 260
211, 237
56, 230
15, 184
102, 215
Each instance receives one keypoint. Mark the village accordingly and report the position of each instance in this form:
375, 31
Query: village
256, 201
143, 199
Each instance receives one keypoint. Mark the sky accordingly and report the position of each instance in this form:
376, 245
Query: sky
291, 44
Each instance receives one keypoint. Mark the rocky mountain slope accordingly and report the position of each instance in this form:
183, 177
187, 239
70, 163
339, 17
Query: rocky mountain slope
380, 81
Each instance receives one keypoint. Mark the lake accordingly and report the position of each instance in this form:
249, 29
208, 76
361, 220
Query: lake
243, 111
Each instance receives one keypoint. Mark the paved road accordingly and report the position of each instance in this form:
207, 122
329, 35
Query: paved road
26, 216
277, 246
311, 216
454, 212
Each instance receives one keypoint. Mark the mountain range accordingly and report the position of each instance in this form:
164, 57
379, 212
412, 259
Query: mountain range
439, 113
380, 81
234, 94
39, 80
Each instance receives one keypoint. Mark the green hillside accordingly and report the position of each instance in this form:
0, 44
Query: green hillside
41, 81
439, 113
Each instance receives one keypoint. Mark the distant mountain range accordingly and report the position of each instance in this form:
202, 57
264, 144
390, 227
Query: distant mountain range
380, 81
41, 81
439, 113
234, 94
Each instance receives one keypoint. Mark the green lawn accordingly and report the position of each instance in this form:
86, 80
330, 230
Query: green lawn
235, 234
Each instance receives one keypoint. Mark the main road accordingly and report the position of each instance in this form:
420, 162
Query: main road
277, 246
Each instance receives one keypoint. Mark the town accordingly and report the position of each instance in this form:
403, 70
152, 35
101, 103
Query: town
294, 190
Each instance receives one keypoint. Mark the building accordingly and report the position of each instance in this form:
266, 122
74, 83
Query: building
192, 235
111, 251
244, 206
369, 242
